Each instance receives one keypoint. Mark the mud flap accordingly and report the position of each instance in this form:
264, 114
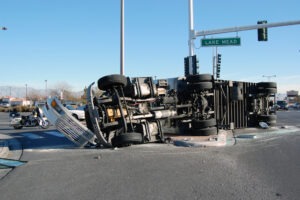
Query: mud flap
94, 118
65, 123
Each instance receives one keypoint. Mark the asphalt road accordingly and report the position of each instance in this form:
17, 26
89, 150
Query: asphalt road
264, 168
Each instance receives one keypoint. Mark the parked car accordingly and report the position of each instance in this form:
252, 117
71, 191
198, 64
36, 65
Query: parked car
296, 106
5, 104
282, 105
77, 113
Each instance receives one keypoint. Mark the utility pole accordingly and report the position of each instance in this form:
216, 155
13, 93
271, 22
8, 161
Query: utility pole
26, 93
46, 89
122, 43
191, 37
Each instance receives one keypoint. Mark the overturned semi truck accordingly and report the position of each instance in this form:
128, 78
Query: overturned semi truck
141, 110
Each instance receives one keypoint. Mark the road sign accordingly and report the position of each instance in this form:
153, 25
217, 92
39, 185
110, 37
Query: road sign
236, 41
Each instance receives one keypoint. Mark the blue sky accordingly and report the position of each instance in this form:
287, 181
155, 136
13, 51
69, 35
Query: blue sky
77, 42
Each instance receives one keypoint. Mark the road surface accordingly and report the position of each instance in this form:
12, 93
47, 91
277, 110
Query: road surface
267, 167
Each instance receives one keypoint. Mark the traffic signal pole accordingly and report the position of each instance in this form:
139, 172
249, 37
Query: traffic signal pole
122, 45
194, 34
244, 28
191, 36
191, 28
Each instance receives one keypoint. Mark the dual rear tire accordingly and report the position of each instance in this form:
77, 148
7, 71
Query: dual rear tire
204, 127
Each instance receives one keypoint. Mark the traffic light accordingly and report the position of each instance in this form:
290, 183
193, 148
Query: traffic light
186, 66
195, 65
218, 70
262, 33
219, 58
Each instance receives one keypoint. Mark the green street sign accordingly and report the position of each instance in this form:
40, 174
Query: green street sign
236, 41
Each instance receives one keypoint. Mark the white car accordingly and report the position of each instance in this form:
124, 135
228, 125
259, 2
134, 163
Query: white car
5, 104
296, 106
77, 113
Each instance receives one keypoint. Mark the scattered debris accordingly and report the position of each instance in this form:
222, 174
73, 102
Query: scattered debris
98, 157
246, 136
263, 125
10, 163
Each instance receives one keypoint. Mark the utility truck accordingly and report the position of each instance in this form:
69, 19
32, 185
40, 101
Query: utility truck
140, 110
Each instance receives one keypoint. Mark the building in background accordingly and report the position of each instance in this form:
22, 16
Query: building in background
292, 96
12, 101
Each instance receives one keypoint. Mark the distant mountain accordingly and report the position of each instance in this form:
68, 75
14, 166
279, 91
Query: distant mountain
20, 92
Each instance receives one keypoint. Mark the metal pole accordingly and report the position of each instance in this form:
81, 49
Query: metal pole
191, 35
122, 39
26, 92
191, 27
46, 88
213, 62
245, 28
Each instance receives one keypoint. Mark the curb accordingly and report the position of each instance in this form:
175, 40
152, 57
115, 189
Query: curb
10, 149
4, 150
218, 140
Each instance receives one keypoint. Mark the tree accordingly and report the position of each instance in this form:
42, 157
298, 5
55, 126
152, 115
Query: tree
34, 95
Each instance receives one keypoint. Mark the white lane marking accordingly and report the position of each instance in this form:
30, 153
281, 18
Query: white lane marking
32, 136
58, 148
55, 133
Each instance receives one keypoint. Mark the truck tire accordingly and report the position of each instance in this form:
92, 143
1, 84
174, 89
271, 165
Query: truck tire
89, 123
269, 90
200, 86
204, 131
108, 82
199, 78
198, 124
126, 139
267, 118
266, 85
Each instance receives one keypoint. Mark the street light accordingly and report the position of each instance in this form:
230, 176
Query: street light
122, 41
46, 88
3, 28
269, 77
26, 92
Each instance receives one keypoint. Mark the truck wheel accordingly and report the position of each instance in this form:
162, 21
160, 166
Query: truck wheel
204, 131
108, 82
89, 123
264, 91
267, 118
269, 90
199, 78
200, 86
127, 139
266, 85
198, 124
